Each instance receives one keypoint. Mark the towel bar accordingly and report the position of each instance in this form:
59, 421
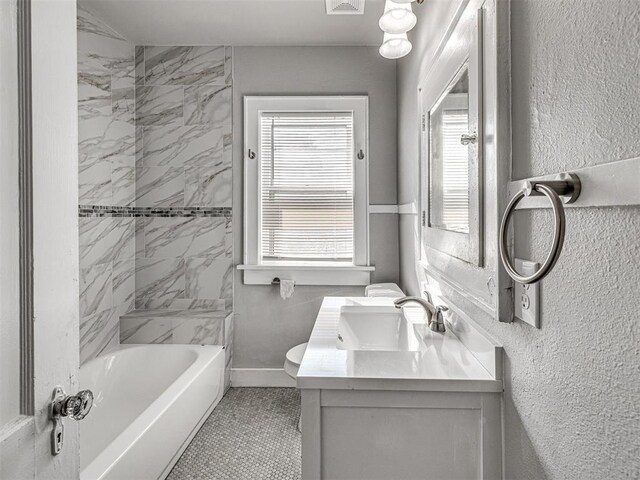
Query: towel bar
566, 185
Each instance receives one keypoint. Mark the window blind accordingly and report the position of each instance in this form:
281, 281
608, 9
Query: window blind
307, 186
455, 171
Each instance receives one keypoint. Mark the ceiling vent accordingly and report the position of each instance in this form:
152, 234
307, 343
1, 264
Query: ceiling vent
345, 7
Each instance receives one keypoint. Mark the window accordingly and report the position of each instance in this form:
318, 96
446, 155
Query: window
306, 186
306, 190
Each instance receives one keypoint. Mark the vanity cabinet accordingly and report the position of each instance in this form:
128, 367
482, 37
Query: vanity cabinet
375, 434
398, 403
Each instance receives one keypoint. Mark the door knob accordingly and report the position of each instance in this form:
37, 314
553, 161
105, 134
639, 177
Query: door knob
466, 139
63, 405
73, 406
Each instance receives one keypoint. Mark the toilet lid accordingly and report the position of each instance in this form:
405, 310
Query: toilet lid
295, 354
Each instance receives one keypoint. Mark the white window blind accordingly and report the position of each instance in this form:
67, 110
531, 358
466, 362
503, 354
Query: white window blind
307, 186
455, 171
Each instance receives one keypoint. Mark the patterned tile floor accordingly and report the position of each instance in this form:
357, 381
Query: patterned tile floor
250, 435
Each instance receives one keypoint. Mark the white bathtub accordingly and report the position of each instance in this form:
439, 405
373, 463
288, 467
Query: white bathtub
149, 402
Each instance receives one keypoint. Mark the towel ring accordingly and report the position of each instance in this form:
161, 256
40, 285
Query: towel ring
566, 185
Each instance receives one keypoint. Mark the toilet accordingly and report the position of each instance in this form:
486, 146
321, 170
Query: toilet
293, 359
292, 362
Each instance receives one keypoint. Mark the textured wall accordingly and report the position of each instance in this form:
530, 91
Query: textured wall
106, 147
265, 325
572, 387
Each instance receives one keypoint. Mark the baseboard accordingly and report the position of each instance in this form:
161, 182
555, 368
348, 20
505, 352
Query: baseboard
261, 377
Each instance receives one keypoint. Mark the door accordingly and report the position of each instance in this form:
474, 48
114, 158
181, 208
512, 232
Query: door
38, 235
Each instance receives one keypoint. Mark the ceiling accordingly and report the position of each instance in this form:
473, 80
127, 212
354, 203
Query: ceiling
238, 22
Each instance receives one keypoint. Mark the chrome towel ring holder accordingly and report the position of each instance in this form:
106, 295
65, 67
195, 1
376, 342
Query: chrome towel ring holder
568, 186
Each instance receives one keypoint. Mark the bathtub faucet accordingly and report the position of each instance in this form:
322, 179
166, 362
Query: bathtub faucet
435, 319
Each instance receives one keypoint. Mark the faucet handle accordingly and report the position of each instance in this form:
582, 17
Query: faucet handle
437, 322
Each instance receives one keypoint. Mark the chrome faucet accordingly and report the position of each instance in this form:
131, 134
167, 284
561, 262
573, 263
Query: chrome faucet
435, 319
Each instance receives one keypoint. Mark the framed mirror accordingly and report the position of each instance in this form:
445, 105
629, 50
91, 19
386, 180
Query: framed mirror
451, 154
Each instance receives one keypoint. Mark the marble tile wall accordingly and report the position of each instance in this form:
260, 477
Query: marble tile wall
201, 327
106, 161
155, 142
183, 159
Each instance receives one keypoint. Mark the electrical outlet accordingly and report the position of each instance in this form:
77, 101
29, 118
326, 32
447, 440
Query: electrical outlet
526, 298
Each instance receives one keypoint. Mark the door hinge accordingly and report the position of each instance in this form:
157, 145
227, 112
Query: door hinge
424, 122
424, 218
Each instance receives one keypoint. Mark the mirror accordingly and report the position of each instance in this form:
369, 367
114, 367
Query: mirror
449, 152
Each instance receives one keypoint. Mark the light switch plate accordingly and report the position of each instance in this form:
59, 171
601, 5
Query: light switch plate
526, 298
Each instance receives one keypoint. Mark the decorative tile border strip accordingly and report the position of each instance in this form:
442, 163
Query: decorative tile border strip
115, 211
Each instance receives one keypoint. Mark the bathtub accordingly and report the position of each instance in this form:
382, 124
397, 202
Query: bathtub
149, 402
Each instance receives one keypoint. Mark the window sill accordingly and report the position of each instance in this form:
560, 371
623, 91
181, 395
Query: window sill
352, 275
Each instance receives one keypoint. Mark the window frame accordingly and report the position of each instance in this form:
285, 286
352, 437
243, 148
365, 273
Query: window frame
312, 272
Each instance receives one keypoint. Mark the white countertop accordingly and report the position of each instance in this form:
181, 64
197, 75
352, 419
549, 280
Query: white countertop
445, 365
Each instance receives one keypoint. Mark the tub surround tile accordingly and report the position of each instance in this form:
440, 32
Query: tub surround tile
178, 145
104, 240
173, 326
184, 65
94, 184
99, 334
155, 143
199, 332
227, 286
161, 279
146, 330
208, 186
123, 282
123, 104
149, 212
99, 46
89, 25
138, 145
104, 138
139, 65
123, 69
182, 237
207, 105
204, 277
228, 65
140, 224
158, 105
95, 289
159, 186
192, 314
182, 304
106, 147
123, 185
94, 94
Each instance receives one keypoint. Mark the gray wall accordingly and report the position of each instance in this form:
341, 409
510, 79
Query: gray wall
265, 325
572, 387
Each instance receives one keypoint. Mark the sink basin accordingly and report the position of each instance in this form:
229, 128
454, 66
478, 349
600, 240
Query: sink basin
381, 328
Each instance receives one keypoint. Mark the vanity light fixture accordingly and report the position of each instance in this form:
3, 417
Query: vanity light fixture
397, 18
395, 45
396, 21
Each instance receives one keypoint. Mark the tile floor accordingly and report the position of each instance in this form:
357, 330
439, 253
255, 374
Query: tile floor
250, 435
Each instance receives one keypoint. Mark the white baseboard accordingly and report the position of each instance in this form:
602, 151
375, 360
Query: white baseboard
261, 377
